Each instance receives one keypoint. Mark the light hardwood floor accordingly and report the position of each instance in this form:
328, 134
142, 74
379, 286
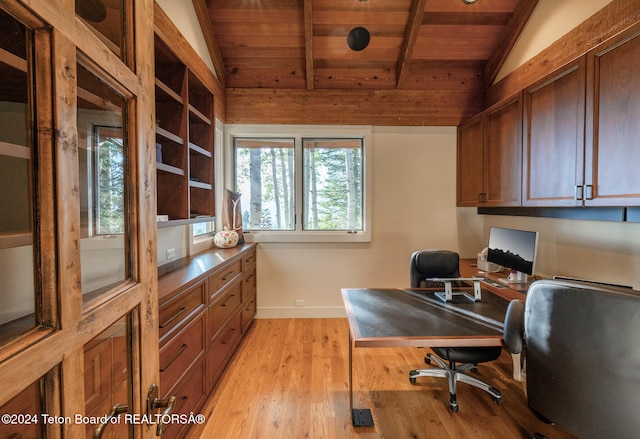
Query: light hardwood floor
289, 379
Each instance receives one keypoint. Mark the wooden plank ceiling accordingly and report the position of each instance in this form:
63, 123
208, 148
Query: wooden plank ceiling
426, 46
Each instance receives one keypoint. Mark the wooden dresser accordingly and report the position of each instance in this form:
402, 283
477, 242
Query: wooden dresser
206, 304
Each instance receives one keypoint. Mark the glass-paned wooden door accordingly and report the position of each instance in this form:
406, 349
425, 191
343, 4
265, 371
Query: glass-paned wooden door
78, 273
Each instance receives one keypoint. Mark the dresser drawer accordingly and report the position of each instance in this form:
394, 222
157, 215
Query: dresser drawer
224, 307
249, 261
177, 355
175, 312
190, 394
249, 283
223, 347
249, 312
223, 277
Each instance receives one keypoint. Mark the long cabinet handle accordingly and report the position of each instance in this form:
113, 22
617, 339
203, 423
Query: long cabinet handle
115, 411
175, 357
178, 314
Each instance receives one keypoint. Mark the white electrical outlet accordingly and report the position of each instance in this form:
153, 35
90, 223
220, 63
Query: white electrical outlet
299, 303
171, 253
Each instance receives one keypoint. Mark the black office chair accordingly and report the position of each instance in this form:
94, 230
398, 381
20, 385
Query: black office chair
444, 263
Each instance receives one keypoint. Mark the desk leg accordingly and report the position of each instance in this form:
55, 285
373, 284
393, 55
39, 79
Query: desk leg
359, 417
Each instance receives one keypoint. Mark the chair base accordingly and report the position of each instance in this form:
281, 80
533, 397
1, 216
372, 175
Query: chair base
454, 375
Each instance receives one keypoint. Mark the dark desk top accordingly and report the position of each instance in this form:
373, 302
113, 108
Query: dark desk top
415, 317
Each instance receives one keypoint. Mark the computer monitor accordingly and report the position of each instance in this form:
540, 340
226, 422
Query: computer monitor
513, 249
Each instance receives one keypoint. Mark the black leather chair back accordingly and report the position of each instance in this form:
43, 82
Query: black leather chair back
583, 357
433, 263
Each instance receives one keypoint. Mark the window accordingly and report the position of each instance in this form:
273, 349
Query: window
265, 173
302, 186
105, 250
109, 176
332, 184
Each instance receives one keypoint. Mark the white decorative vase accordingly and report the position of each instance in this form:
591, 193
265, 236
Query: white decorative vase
226, 238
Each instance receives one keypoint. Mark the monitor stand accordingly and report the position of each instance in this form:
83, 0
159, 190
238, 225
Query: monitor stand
515, 277
450, 296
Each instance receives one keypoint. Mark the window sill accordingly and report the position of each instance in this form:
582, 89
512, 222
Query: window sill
320, 237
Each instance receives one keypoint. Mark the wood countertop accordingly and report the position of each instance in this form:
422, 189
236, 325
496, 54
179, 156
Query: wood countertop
187, 271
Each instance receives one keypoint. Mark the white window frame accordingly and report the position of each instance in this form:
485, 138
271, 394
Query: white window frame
298, 132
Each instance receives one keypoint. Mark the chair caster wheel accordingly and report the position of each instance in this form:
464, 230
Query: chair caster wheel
454, 408
412, 380
427, 360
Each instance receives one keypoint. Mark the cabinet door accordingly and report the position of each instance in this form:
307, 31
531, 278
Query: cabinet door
553, 139
613, 124
470, 163
503, 154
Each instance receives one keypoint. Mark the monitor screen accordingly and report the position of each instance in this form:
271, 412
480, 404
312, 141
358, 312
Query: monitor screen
514, 249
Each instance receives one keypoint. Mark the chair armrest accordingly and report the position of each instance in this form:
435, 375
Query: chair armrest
514, 335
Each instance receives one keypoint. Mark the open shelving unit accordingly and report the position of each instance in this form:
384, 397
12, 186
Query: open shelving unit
185, 138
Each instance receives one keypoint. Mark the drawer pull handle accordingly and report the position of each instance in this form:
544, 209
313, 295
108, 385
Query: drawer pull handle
178, 314
250, 259
229, 274
230, 298
229, 335
250, 278
175, 357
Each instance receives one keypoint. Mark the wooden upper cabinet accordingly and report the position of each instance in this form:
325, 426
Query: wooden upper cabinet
490, 157
613, 123
470, 184
554, 114
503, 153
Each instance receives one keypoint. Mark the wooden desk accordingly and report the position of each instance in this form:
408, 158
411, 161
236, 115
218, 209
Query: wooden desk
416, 318
468, 268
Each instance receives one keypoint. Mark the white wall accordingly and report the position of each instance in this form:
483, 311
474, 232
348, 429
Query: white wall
183, 15
550, 20
413, 207
597, 250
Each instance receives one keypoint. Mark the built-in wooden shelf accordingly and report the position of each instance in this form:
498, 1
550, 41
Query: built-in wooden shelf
185, 135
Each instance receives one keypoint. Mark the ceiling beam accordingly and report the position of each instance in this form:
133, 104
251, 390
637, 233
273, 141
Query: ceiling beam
210, 39
408, 42
515, 27
308, 41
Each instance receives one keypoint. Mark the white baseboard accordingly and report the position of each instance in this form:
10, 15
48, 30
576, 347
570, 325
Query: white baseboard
301, 313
